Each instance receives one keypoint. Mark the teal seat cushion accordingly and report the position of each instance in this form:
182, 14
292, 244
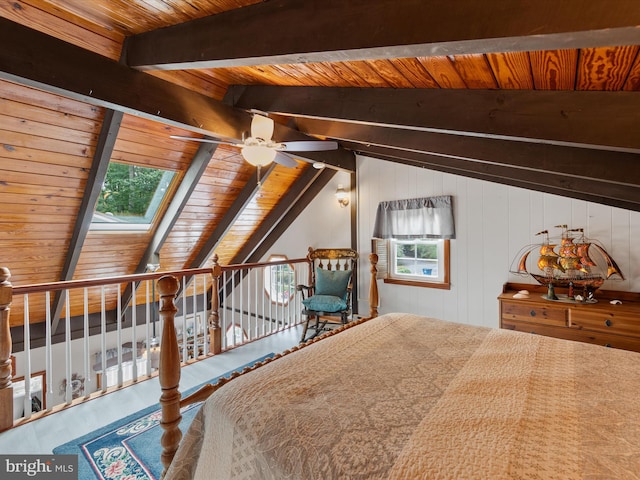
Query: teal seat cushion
325, 303
332, 282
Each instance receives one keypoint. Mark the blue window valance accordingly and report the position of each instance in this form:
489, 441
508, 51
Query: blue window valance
415, 218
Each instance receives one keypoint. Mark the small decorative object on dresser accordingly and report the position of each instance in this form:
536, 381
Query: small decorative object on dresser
605, 322
572, 261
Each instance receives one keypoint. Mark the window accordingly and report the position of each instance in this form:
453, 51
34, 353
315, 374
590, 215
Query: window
411, 239
413, 262
280, 280
130, 198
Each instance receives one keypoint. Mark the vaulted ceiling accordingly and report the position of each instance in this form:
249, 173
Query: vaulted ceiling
541, 95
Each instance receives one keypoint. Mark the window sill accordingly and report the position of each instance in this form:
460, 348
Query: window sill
440, 285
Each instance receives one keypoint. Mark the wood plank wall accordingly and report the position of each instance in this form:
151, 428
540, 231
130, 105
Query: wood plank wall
47, 145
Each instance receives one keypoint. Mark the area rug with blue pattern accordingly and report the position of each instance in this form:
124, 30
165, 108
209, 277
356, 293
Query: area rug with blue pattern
129, 449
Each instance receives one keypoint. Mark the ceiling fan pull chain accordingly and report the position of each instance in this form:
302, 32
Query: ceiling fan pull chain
259, 182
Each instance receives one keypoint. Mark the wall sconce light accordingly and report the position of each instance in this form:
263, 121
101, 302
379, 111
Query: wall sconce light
343, 196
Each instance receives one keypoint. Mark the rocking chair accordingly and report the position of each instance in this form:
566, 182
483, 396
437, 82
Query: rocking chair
327, 298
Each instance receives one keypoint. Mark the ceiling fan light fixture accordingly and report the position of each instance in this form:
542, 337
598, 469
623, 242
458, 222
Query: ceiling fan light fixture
262, 127
258, 155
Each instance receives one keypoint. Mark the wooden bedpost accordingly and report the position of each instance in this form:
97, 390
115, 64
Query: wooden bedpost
169, 371
373, 288
6, 389
215, 333
311, 276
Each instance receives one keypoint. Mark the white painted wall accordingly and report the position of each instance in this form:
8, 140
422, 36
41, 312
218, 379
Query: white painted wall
322, 224
492, 223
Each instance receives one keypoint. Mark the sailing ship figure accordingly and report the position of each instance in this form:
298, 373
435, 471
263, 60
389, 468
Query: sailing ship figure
568, 264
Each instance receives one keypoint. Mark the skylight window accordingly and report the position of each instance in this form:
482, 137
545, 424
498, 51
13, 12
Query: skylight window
130, 198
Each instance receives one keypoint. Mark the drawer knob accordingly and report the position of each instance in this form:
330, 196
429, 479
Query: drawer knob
608, 345
532, 313
607, 322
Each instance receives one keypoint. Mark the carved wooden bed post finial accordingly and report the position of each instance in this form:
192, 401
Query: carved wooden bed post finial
6, 390
373, 289
215, 333
169, 371
311, 274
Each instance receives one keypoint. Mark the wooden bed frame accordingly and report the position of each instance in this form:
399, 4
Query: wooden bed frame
169, 367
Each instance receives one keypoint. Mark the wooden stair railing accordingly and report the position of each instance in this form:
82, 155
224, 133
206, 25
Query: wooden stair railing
6, 390
7, 294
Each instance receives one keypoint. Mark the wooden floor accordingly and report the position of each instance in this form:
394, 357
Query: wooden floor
44, 434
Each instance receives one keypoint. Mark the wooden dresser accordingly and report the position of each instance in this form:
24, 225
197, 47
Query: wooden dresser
601, 323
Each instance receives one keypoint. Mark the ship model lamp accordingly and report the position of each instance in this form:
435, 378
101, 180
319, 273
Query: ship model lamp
573, 262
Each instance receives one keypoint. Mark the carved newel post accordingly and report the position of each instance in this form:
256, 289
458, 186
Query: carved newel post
373, 289
169, 371
215, 332
6, 390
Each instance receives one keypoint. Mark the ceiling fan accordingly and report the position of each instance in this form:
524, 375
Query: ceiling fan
260, 150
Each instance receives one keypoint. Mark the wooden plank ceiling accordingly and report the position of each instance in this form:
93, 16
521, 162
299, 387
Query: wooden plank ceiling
541, 95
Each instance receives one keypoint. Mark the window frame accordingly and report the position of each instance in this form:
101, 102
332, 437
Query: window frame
157, 204
385, 248
279, 260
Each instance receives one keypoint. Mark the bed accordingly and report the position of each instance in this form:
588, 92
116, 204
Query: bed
402, 396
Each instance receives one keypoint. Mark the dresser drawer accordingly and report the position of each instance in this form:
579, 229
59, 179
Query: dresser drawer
596, 338
605, 321
540, 315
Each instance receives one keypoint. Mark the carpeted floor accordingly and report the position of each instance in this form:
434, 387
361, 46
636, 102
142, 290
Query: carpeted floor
128, 449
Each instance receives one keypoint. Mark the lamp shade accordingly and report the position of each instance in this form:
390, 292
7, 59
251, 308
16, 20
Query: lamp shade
341, 193
261, 127
258, 155
342, 196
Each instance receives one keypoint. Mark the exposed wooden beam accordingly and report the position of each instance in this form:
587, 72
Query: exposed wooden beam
226, 222
283, 32
230, 216
602, 165
278, 221
192, 176
592, 190
587, 119
38, 60
514, 183
293, 212
304, 189
296, 209
101, 158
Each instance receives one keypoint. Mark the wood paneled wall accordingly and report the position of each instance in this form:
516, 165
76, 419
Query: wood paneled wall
46, 151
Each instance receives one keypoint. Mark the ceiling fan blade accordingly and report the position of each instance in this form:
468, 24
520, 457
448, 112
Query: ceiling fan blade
309, 146
285, 160
203, 140
262, 127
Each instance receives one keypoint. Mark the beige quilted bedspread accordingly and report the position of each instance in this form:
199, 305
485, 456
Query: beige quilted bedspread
409, 397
